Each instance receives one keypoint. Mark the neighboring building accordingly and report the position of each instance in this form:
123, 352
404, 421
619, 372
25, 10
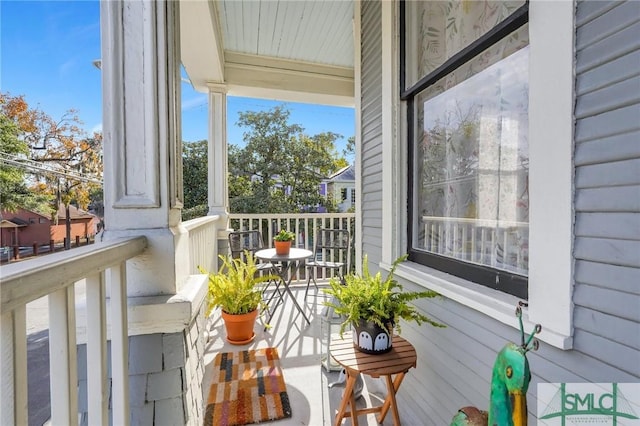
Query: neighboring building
27, 227
342, 186
83, 224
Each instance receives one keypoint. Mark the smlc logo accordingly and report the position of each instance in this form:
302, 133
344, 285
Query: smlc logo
588, 403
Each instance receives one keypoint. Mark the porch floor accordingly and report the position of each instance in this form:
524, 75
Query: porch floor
301, 350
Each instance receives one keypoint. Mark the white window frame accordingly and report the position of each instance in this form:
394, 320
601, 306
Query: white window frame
551, 215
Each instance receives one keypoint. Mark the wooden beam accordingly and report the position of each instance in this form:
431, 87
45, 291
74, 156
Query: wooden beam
273, 78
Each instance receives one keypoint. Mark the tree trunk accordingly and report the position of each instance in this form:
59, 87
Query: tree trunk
67, 241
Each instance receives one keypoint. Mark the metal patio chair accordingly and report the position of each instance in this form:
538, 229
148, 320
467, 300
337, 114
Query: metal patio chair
332, 250
241, 242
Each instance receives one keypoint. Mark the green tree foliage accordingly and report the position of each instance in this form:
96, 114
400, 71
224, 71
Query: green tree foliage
194, 169
350, 149
194, 212
280, 168
67, 147
62, 144
14, 192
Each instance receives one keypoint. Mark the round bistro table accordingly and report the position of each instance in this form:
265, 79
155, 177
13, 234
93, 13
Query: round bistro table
290, 262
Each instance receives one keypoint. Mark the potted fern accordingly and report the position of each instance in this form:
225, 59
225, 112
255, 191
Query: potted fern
374, 306
282, 241
235, 288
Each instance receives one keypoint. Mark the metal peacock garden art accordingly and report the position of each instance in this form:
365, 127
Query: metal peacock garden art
509, 383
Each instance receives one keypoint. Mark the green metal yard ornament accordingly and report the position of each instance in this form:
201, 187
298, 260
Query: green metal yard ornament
509, 383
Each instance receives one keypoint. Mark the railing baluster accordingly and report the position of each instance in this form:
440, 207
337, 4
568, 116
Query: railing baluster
474, 246
434, 242
306, 233
492, 242
519, 259
13, 358
505, 248
203, 243
454, 241
494, 251
269, 230
97, 385
464, 244
63, 357
119, 345
426, 236
54, 276
305, 224
483, 244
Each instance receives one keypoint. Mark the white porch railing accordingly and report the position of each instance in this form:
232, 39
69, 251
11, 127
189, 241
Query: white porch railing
496, 243
304, 225
54, 276
203, 243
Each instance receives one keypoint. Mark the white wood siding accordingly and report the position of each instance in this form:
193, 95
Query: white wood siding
454, 364
371, 132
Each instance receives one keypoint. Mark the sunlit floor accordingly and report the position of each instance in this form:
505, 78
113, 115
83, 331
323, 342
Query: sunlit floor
301, 350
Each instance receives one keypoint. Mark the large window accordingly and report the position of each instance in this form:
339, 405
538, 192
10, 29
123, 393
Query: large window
465, 79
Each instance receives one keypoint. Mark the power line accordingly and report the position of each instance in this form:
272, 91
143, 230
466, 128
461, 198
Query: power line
39, 167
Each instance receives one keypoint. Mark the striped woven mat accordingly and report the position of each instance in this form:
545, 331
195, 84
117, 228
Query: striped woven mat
247, 387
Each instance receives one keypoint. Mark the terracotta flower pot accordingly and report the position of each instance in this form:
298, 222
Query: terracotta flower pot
240, 327
282, 247
371, 339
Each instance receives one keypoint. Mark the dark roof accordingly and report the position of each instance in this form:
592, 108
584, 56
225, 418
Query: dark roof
74, 212
345, 173
10, 224
18, 221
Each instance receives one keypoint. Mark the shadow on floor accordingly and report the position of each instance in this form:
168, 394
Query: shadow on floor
301, 349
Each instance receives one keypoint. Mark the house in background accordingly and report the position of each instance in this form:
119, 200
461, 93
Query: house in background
342, 187
30, 227
83, 224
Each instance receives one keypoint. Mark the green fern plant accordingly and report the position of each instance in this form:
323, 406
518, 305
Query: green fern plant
235, 287
370, 298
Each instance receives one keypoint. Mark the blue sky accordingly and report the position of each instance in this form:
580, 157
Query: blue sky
46, 54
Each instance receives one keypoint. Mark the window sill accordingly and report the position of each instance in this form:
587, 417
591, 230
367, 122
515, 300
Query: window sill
497, 305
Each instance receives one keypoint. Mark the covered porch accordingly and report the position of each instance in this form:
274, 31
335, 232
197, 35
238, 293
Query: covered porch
138, 349
74, 339
145, 334
301, 348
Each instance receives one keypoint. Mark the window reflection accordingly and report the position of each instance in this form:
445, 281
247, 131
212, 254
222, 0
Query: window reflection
472, 166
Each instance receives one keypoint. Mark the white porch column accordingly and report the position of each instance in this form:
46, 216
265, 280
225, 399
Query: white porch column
217, 152
218, 183
143, 196
142, 139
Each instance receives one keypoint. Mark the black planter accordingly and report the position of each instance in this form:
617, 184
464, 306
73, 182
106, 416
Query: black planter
372, 339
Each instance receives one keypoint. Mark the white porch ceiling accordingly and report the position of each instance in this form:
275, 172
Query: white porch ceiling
281, 49
310, 31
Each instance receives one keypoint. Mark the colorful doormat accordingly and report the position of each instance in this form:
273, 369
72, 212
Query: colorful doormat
247, 387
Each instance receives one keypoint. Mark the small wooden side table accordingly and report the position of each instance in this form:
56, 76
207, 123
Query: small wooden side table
397, 361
